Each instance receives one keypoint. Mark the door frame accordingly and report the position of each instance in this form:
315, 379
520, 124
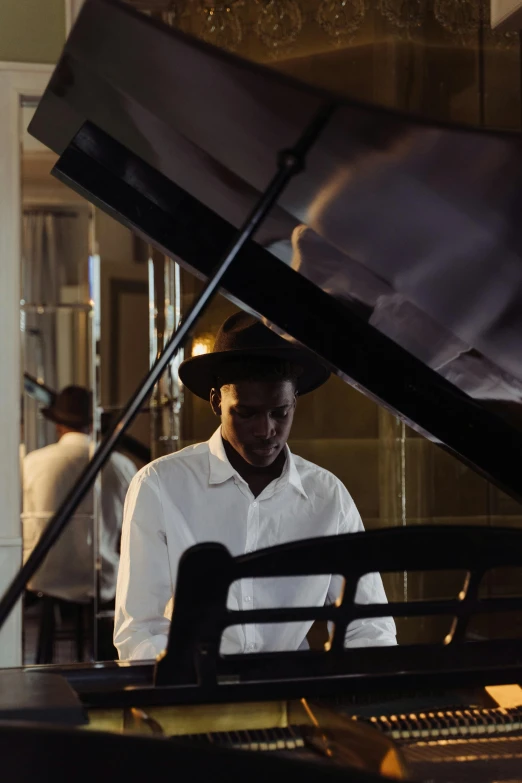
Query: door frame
17, 81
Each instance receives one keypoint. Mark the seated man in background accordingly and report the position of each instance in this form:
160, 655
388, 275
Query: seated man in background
49, 473
244, 489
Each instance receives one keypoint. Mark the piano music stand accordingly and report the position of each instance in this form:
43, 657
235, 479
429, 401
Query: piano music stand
206, 572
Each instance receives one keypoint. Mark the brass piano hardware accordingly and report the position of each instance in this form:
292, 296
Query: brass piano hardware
355, 744
134, 719
506, 695
320, 740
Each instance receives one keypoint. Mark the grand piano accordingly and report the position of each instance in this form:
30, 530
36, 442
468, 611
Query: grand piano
391, 248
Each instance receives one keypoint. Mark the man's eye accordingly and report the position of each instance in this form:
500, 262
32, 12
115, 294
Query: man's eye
243, 414
280, 414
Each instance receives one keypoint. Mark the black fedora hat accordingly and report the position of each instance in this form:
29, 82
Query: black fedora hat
242, 336
71, 407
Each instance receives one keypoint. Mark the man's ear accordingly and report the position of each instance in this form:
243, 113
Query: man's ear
215, 401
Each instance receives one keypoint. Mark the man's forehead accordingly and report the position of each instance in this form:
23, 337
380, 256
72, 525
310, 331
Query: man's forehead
260, 393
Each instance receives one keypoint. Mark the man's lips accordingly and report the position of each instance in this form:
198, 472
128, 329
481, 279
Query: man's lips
263, 450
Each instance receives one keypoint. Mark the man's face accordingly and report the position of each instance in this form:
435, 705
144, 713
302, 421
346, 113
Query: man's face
256, 418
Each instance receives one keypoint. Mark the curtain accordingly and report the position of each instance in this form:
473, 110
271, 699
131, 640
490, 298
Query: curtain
54, 259
54, 251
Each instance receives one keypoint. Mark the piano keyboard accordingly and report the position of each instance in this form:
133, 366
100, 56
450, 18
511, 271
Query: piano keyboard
441, 724
272, 739
473, 760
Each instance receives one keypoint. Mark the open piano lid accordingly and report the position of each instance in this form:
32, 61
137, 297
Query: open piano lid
405, 235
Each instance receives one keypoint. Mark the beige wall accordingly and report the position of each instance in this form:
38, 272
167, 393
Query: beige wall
31, 31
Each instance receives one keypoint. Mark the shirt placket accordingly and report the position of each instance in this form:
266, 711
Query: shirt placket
247, 585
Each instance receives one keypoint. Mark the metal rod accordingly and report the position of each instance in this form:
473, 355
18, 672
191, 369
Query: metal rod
290, 163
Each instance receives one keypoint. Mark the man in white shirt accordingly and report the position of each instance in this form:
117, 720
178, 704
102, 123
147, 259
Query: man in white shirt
244, 489
48, 475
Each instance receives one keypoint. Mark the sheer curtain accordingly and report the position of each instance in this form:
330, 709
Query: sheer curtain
54, 261
55, 250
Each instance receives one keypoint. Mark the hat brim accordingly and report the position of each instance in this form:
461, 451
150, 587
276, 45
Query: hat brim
67, 421
199, 373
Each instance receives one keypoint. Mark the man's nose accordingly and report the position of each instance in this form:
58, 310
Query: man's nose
264, 427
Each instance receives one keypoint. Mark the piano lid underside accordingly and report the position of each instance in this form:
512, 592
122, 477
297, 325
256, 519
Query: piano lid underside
411, 228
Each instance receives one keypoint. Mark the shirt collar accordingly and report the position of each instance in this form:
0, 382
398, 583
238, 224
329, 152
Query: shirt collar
221, 470
76, 438
293, 474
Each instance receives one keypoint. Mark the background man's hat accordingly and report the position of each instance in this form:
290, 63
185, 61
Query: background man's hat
244, 337
72, 407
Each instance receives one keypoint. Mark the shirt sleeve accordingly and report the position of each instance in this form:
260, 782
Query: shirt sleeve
126, 470
31, 530
366, 632
144, 587
36, 505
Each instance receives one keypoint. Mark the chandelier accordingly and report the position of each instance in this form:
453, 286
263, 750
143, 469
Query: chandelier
341, 19
464, 18
278, 23
497, 39
501, 40
167, 10
220, 24
404, 14
459, 17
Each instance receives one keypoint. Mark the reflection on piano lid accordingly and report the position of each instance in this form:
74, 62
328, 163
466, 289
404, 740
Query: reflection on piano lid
405, 235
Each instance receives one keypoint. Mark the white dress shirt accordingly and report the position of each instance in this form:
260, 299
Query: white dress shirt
196, 495
48, 475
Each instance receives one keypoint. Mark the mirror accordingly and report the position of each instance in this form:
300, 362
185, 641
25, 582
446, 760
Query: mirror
84, 321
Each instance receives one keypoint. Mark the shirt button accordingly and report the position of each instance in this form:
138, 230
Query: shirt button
248, 597
251, 647
254, 504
